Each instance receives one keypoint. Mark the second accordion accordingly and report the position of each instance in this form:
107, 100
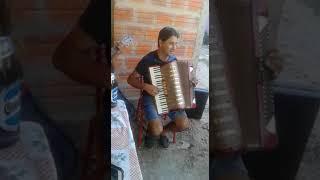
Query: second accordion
242, 98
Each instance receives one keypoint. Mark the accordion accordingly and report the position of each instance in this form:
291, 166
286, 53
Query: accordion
242, 95
175, 88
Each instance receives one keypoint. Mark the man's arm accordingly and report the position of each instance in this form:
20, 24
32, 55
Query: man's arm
134, 81
75, 56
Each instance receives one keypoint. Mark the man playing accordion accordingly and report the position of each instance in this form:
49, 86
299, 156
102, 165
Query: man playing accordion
167, 43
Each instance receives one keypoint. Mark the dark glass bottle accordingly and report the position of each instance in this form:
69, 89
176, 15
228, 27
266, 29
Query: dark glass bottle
10, 82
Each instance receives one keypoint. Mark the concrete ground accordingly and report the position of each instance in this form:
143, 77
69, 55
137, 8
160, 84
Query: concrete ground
188, 158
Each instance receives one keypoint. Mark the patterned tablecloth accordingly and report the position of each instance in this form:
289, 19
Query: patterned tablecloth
123, 149
30, 158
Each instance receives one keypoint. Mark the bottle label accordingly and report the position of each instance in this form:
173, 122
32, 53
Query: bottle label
10, 106
114, 95
114, 89
6, 47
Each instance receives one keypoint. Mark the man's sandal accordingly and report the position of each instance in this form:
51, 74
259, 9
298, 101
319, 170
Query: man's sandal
164, 141
150, 141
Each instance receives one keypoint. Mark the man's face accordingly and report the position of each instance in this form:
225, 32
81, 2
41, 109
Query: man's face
169, 46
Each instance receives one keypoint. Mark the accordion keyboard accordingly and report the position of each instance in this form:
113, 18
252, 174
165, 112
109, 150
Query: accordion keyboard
160, 98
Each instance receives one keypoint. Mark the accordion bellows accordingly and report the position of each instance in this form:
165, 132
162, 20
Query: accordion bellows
242, 107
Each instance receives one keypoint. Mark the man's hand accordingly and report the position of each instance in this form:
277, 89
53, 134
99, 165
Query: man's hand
118, 50
274, 62
150, 89
119, 47
194, 81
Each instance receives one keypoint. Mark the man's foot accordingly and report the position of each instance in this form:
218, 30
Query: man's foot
164, 141
150, 141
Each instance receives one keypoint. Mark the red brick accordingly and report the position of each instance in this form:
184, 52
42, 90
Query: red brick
152, 34
130, 68
138, 35
164, 19
195, 3
142, 51
186, 26
119, 31
133, 59
179, 51
117, 36
140, 1
189, 52
184, 18
189, 42
132, 62
143, 48
137, 32
187, 36
122, 14
193, 8
145, 17
118, 28
189, 49
178, 4
160, 3
145, 20
183, 21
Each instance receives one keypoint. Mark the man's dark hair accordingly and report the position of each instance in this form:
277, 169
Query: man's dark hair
166, 33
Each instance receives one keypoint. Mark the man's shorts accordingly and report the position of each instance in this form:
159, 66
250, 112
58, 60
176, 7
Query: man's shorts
151, 114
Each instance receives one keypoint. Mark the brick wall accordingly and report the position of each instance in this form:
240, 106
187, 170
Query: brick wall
38, 26
143, 20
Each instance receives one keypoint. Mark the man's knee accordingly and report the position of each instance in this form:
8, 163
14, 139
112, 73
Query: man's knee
155, 127
182, 123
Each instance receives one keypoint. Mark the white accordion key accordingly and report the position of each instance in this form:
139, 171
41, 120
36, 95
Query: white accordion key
160, 98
